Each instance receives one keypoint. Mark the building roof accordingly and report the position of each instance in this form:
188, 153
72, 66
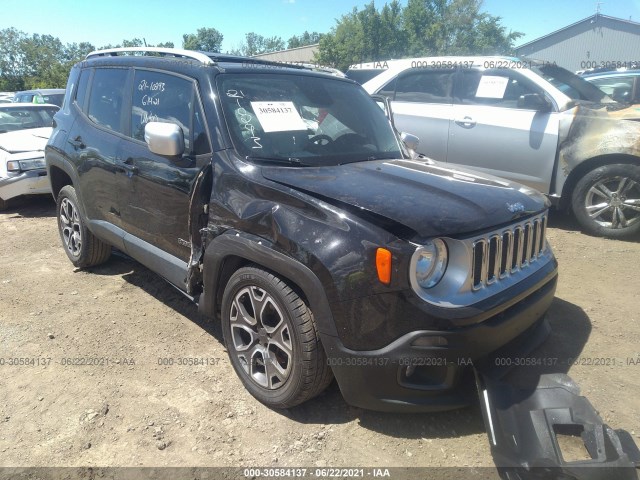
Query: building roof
592, 18
286, 50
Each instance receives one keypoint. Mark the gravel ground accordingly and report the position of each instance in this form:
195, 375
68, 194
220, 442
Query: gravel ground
127, 409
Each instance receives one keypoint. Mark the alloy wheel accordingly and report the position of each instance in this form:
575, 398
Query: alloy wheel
71, 227
614, 202
261, 337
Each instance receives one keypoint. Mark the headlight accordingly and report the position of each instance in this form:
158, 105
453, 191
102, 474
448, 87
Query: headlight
23, 165
430, 262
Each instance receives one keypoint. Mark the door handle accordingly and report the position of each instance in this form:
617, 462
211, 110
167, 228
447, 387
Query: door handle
77, 142
466, 122
127, 166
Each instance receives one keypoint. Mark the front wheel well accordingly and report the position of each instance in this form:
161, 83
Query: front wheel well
233, 263
59, 178
586, 166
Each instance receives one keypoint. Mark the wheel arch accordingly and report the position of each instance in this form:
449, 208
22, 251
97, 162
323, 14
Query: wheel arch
59, 178
227, 253
585, 167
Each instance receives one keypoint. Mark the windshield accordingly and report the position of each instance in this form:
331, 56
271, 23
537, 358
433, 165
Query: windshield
573, 86
16, 118
303, 120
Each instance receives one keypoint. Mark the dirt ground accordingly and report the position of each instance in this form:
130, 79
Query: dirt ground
129, 410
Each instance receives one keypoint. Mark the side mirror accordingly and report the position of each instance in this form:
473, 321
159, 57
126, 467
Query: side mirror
411, 141
164, 139
534, 101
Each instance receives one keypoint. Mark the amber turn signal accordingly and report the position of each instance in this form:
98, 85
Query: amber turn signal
383, 265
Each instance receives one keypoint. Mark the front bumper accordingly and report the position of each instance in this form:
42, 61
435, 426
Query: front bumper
431, 370
32, 182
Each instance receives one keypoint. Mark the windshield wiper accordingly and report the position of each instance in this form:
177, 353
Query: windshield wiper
371, 158
281, 160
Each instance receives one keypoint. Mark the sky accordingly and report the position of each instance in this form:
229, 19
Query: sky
111, 21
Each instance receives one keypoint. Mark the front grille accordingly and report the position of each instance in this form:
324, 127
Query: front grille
502, 253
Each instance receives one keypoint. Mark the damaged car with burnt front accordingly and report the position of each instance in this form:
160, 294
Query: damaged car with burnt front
284, 204
532, 122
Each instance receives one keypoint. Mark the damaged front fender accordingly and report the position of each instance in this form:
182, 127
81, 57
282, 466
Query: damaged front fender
596, 134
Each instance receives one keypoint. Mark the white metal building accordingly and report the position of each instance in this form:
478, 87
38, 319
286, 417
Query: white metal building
597, 41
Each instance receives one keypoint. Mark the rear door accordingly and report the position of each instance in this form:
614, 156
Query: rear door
421, 100
94, 144
489, 132
157, 198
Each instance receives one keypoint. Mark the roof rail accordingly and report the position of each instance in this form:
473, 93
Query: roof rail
175, 52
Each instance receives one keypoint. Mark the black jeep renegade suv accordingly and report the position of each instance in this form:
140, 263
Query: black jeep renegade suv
282, 201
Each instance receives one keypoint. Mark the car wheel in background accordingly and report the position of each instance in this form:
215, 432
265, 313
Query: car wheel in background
271, 339
606, 201
80, 245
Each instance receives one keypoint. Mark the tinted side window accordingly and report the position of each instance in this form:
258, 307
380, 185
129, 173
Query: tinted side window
159, 97
107, 97
428, 86
496, 88
81, 91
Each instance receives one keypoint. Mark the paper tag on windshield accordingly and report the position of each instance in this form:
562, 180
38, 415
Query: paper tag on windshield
278, 116
491, 86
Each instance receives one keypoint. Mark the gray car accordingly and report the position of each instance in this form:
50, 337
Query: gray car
532, 122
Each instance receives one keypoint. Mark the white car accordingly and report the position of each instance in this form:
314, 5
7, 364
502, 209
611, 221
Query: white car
24, 131
528, 121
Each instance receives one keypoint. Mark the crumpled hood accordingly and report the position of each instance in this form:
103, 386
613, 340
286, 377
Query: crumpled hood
33, 139
428, 197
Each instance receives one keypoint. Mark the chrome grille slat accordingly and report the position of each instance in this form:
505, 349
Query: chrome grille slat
500, 254
517, 254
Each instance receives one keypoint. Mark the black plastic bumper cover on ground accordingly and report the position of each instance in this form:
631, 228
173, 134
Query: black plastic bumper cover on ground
524, 426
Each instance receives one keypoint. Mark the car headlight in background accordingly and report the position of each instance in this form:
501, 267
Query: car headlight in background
24, 165
430, 263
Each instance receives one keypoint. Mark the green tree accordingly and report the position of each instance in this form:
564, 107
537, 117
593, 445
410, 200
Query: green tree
11, 59
307, 38
205, 39
364, 36
41, 56
421, 28
255, 44
42, 61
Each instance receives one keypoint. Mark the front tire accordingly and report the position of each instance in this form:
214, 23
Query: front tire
606, 201
272, 340
81, 246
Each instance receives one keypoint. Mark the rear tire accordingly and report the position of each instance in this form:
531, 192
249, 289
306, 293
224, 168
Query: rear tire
81, 246
272, 340
3, 205
606, 201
